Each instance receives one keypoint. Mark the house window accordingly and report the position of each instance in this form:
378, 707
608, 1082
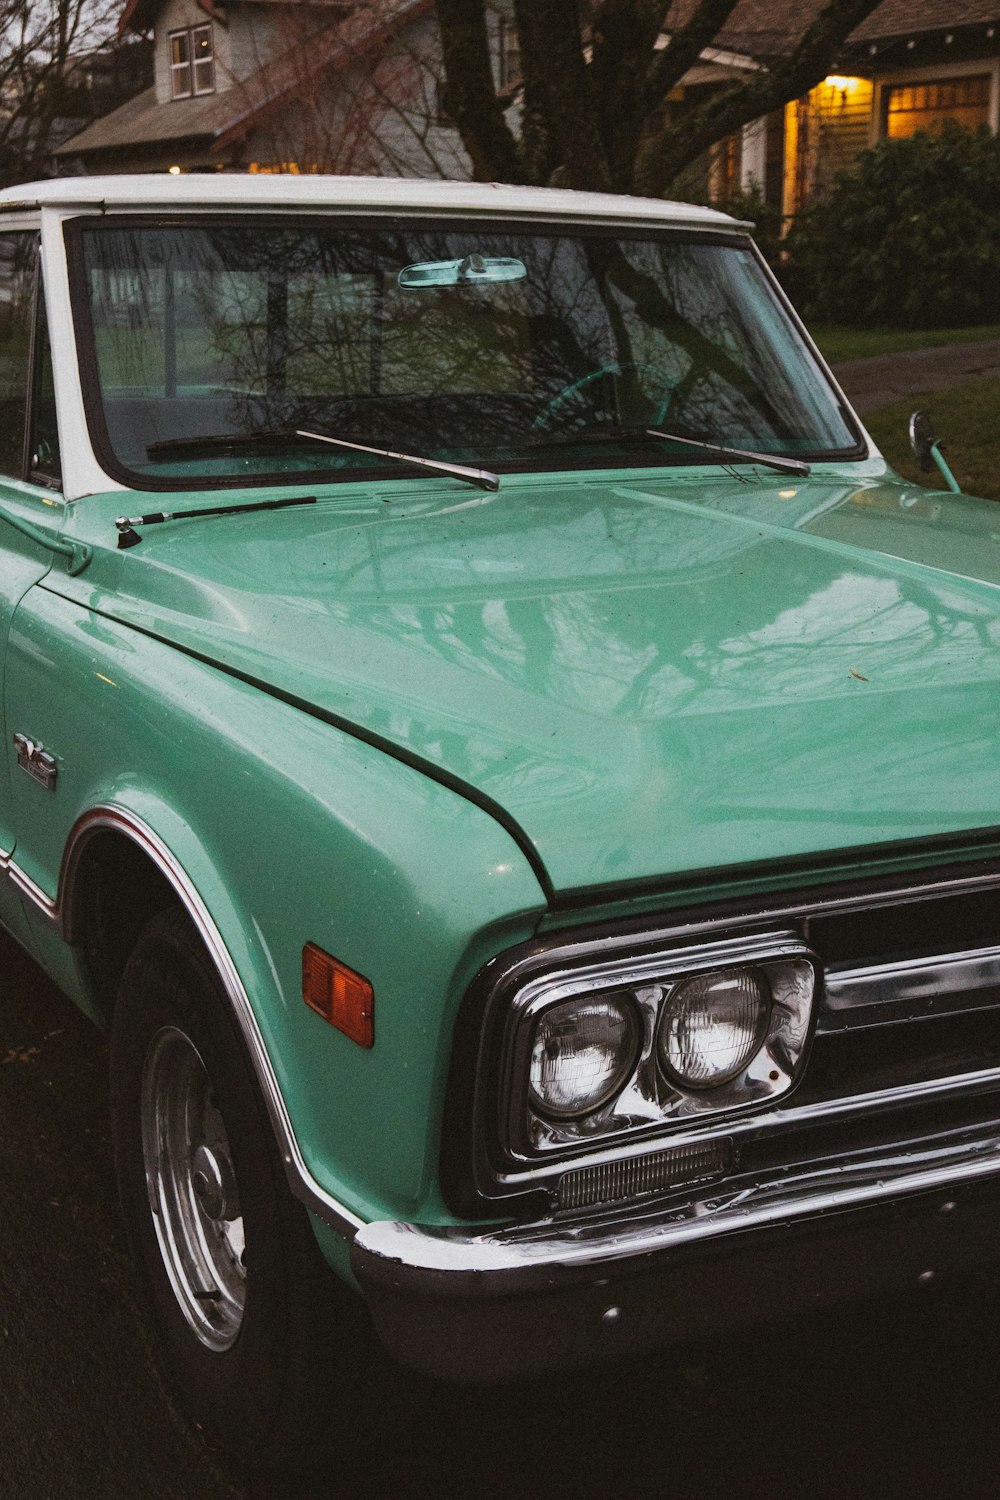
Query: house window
192, 62
910, 107
510, 55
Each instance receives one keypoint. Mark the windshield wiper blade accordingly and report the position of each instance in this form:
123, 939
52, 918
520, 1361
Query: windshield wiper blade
224, 443
482, 478
221, 443
618, 434
721, 451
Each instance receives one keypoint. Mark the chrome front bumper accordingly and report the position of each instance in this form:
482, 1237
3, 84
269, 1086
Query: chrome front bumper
482, 1302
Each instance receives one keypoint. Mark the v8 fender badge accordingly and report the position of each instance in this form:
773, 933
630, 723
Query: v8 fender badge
39, 764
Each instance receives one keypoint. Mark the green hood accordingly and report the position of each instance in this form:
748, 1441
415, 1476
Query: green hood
651, 676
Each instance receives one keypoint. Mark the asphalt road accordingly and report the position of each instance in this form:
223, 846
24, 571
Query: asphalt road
899, 1400
881, 379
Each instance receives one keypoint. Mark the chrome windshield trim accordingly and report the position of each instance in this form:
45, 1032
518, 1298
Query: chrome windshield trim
602, 1243
109, 816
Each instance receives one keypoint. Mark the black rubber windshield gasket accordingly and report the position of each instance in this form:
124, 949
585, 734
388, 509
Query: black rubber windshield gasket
75, 228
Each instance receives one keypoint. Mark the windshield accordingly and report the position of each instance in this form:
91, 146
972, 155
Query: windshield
504, 348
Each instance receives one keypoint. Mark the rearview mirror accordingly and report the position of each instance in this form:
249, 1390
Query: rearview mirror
471, 271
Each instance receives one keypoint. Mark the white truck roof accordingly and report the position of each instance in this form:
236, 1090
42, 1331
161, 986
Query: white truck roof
263, 193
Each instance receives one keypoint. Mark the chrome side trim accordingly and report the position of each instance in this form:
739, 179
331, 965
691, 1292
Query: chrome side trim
27, 887
905, 990
600, 1245
119, 820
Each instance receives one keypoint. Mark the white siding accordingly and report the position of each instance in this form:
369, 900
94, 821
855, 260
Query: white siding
176, 15
356, 120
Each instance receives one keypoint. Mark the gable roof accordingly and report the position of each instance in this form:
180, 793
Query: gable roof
139, 15
218, 119
897, 18
770, 29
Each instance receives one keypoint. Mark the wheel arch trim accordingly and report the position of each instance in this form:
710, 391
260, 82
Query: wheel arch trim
110, 817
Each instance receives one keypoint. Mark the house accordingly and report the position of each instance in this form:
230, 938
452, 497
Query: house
282, 85
355, 86
910, 65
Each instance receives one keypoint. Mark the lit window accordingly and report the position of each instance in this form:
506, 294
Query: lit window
910, 107
192, 62
203, 58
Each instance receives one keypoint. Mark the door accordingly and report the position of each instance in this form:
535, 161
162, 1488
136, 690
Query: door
29, 476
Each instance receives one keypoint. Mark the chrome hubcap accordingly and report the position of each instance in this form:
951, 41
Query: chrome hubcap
192, 1189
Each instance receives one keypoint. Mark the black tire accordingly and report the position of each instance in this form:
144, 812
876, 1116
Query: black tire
262, 1380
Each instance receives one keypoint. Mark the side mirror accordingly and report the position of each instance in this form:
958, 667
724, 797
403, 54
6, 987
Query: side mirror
927, 450
922, 440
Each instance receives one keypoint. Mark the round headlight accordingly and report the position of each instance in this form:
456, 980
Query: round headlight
712, 1026
583, 1054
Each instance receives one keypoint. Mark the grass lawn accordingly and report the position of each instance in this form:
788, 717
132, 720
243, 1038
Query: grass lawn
858, 343
967, 419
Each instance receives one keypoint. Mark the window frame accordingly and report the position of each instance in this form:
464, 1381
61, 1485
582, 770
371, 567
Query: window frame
509, 77
27, 472
76, 227
935, 74
188, 67
34, 473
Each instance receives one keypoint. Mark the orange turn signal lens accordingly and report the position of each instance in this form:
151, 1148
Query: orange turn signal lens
340, 996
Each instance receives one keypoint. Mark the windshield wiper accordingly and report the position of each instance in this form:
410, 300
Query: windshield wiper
222, 444
480, 477
721, 451
225, 443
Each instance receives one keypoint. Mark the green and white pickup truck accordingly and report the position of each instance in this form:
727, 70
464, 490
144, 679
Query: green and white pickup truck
512, 766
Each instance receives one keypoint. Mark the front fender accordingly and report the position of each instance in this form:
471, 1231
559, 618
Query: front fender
284, 830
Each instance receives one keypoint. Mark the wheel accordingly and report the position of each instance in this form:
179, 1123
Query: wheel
613, 372
249, 1322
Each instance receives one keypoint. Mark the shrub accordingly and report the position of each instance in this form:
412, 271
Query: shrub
910, 237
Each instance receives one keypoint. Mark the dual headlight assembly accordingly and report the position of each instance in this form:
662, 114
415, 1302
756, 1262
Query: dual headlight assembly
628, 1045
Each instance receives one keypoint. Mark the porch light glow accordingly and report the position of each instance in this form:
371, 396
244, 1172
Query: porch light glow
842, 83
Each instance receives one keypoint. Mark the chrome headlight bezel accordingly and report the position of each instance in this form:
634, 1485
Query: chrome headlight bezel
648, 1100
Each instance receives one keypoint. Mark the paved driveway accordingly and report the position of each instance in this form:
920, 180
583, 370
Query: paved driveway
882, 379
893, 1401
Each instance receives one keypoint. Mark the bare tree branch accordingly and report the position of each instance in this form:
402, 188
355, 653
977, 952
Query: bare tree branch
596, 77
669, 65
40, 40
663, 157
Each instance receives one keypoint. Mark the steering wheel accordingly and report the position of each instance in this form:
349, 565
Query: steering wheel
551, 407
